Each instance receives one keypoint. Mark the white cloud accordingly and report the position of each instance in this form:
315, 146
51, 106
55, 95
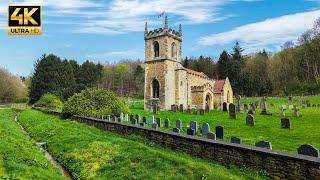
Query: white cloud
126, 53
271, 32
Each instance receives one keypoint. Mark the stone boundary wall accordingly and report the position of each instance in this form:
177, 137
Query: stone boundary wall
279, 165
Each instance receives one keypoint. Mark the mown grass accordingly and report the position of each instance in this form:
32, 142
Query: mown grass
90, 153
305, 129
20, 157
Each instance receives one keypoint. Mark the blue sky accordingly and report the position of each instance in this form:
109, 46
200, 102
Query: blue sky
109, 31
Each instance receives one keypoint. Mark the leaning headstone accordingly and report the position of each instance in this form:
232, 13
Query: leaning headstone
154, 126
189, 110
159, 122
191, 132
285, 123
205, 129
264, 144
201, 111
308, 150
144, 120
225, 106
167, 123
211, 135
181, 108
219, 132
151, 120
194, 125
176, 130
295, 112
232, 111
250, 120
235, 140
179, 124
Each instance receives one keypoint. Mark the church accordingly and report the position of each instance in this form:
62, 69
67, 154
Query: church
168, 83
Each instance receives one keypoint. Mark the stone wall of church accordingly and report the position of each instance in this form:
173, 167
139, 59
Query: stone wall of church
181, 87
227, 97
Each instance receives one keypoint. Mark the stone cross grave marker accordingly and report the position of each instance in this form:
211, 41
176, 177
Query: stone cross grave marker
151, 120
285, 123
250, 120
205, 129
179, 124
167, 123
194, 125
159, 122
219, 132
308, 150
264, 144
225, 106
235, 140
211, 136
232, 111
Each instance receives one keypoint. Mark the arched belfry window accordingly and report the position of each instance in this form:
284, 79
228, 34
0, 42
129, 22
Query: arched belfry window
156, 49
155, 88
173, 50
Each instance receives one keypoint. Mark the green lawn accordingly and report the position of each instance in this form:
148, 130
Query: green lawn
20, 157
305, 129
90, 153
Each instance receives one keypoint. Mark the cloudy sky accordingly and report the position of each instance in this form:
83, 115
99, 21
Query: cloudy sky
108, 31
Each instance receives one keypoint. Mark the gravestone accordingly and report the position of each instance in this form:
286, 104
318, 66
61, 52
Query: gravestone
121, 116
176, 130
154, 126
253, 107
189, 110
205, 129
314, 105
308, 103
181, 108
119, 119
134, 121
264, 144
191, 132
109, 118
151, 120
172, 107
131, 118
179, 124
201, 111
211, 136
246, 108
295, 112
283, 109
285, 123
219, 132
126, 117
235, 140
232, 111
167, 123
264, 107
159, 122
137, 118
194, 125
308, 150
225, 106
238, 104
144, 120
290, 100
250, 120
142, 124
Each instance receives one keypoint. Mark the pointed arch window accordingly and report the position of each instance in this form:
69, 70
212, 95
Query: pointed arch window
155, 88
173, 50
156, 49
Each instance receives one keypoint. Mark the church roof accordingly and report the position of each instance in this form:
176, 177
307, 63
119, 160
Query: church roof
218, 86
190, 71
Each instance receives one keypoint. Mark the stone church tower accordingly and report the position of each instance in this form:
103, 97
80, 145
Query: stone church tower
162, 57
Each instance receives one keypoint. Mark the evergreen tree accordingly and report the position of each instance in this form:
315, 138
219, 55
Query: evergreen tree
223, 65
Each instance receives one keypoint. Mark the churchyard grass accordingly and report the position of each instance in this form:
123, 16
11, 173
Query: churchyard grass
90, 153
305, 129
20, 157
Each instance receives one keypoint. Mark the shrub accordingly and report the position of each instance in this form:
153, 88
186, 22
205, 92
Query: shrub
50, 102
95, 103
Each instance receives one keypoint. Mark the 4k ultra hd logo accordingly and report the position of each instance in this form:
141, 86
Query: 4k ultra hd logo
24, 20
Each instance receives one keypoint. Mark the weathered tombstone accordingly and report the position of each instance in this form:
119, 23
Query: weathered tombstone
219, 132
144, 120
181, 108
308, 103
211, 135
167, 123
137, 118
131, 118
225, 106
283, 109
250, 120
154, 126
179, 124
235, 140
205, 129
295, 112
207, 109
285, 123
308, 150
172, 107
109, 118
264, 144
126, 117
232, 111
191, 131
264, 107
201, 111
134, 122
151, 120
238, 104
246, 108
189, 110
159, 122
194, 125
121, 116
253, 107
119, 119
176, 130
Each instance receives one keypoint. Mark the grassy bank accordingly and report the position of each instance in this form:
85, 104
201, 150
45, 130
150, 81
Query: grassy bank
20, 157
89, 153
305, 129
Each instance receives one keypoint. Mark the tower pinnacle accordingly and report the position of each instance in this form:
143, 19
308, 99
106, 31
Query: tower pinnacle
166, 22
180, 30
146, 28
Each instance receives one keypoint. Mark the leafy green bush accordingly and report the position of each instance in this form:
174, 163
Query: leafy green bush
50, 102
95, 103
